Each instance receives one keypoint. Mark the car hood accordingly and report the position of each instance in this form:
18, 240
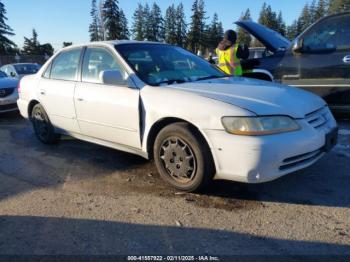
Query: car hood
259, 97
269, 38
8, 82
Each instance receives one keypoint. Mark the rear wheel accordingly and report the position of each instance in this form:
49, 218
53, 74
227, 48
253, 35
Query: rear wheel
43, 128
182, 158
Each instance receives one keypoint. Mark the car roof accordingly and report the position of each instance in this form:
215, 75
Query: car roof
111, 43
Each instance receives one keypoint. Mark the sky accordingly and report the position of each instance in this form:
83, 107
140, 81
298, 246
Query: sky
58, 21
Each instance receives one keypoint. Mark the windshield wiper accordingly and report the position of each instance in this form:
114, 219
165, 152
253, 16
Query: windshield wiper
209, 77
172, 81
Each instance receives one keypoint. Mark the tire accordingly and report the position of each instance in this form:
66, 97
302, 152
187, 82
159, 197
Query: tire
183, 158
43, 128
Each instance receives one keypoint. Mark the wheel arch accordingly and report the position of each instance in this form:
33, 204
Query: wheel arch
31, 106
160, 124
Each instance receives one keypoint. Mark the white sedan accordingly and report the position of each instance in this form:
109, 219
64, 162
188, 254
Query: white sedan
160, 101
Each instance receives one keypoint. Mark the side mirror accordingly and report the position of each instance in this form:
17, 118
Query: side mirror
112, 77
298, 45
12, 74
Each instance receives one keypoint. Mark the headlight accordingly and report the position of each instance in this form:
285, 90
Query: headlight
258, 126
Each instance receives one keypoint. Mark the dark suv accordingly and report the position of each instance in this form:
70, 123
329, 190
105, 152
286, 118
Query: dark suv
318, 60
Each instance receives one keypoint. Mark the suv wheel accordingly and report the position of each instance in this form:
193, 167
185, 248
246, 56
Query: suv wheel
182, 158
43, 128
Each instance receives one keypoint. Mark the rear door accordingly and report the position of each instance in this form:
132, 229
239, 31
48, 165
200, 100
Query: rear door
56, 90
107, 112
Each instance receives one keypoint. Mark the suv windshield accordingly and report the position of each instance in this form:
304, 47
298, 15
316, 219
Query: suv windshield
26, 69
158, 64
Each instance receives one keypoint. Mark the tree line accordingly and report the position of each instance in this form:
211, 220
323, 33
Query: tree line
200, 33
310, 13
149, 24
108, 22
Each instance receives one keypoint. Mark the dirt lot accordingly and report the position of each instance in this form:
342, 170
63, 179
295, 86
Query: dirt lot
80, 198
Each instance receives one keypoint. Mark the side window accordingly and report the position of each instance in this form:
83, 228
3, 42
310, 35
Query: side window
97, 60
331, 34
65, 66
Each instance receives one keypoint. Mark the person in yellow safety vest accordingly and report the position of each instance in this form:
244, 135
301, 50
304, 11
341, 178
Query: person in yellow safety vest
229, 54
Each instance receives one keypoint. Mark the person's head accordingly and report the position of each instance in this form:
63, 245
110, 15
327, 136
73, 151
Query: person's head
230, 36
229, 40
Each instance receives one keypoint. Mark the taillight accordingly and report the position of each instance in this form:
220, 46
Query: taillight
19, 87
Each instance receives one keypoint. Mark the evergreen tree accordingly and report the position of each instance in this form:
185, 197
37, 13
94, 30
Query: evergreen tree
313, 10
244, 37
214, 33
304, 20
138, 24
337, 6
268, 17
111, 19
31, 45
147, 21
181, 26
321, 10
292, 30
46, 49
101, 26
170, 25
94, 27
5, 44
156, 24
281, 25
196, 33
124, 30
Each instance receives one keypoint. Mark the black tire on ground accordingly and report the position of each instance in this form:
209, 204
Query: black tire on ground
182, 158
43, 128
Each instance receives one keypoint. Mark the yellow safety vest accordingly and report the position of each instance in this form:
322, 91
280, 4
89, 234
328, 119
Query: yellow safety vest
229, 62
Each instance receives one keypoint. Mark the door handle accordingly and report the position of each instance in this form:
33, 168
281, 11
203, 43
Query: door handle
346, 59
42, 92
80, 99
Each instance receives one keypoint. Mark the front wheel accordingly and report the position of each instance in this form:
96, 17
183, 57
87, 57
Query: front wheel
182, 158
43, 128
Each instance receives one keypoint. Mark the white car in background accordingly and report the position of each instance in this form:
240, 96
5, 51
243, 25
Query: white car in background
8, 93
161, 101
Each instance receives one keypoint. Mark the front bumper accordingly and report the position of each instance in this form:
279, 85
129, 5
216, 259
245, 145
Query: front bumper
9, 103
265, 158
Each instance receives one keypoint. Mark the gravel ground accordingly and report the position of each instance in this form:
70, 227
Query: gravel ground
83, 199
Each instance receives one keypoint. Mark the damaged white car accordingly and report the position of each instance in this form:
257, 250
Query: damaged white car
160, 101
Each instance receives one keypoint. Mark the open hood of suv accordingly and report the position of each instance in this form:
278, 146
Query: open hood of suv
271, 39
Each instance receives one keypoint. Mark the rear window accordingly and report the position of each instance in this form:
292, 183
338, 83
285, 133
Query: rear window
65, 66
26, 69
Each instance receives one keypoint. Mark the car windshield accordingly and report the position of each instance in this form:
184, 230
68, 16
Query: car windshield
158, 64
2, 74
26, 69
